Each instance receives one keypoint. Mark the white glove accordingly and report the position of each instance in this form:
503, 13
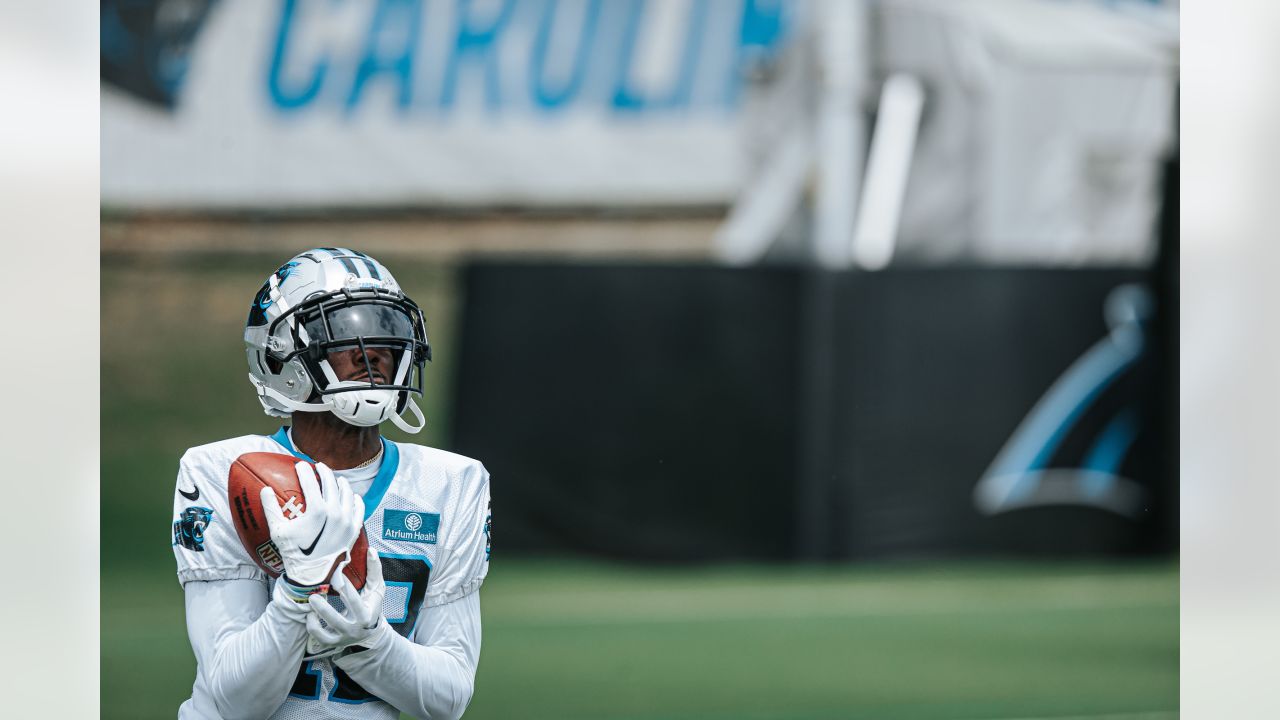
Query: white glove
314, 541
363, 618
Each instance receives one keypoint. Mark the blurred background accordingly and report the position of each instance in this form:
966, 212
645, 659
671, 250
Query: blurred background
824, 353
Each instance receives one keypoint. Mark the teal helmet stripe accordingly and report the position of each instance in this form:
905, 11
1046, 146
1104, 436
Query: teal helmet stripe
373, 266
346, 255
343, 256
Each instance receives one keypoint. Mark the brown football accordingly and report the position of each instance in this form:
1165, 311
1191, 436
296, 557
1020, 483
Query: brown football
249, 474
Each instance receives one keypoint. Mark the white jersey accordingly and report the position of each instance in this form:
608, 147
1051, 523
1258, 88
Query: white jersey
426, 514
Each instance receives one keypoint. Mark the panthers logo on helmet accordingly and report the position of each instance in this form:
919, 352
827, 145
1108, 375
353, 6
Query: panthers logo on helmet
262, 301
188, 529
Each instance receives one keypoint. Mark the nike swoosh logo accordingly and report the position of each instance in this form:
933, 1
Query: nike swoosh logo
307, 550
193, 496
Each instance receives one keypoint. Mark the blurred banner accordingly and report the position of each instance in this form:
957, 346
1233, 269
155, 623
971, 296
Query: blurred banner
684, 412
1008, 132
211, 104
1047, 127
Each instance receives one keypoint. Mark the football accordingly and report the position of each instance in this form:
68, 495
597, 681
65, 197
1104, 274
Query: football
249, 474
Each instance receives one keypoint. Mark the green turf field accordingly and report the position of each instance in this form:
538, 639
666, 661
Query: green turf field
566, 640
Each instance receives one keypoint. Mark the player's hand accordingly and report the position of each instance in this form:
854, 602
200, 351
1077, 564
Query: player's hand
312, 542
363, 616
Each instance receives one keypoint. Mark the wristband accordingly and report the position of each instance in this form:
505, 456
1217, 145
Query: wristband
301, 593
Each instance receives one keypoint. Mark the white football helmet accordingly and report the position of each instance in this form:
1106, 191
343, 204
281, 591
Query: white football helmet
329, 300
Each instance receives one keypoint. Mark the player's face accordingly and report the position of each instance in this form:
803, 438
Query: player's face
350, 364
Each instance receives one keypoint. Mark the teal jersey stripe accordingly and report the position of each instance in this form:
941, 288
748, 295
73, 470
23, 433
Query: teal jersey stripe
390, 463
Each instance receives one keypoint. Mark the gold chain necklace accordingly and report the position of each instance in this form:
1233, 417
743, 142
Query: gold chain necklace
365, 464
371, 460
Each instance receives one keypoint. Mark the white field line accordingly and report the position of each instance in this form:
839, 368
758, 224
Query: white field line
798, 613
816, 600
717, 590
1148, 715
1140, 715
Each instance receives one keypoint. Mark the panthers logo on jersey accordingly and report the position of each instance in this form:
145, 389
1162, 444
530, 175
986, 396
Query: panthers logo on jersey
488, 535
188, 529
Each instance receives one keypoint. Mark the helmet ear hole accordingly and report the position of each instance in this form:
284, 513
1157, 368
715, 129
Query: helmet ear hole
274, 365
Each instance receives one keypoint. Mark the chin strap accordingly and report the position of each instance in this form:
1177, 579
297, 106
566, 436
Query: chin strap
265, 391
396, 418
404, 425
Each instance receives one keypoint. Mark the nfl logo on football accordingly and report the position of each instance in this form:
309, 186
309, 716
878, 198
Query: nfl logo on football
271, 556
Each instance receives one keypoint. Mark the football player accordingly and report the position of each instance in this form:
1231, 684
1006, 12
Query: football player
335, 345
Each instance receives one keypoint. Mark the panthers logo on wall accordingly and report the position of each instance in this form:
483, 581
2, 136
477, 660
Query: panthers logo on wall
146, 46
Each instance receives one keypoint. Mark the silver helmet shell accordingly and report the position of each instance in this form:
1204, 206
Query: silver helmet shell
327, 300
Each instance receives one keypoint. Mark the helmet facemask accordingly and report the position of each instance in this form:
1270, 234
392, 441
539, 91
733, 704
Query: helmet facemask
356, 319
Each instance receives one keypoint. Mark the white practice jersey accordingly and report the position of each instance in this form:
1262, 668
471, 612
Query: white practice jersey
426, 514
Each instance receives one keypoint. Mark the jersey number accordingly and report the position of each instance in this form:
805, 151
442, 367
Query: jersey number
410, 571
